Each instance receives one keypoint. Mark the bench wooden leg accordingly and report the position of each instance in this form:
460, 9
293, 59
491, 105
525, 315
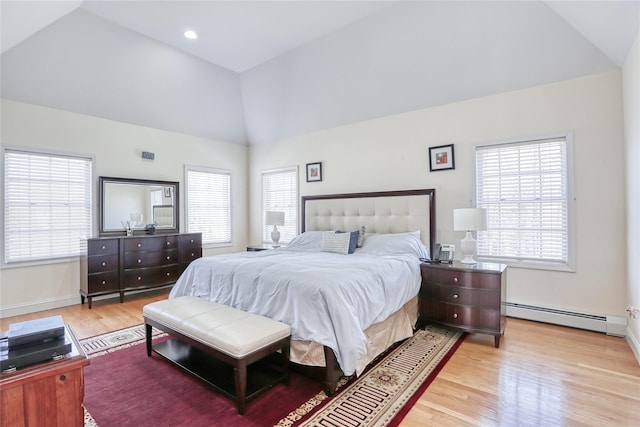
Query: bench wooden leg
148, 338
240, 376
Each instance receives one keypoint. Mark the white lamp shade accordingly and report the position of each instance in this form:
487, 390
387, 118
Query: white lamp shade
470, 219
274, 218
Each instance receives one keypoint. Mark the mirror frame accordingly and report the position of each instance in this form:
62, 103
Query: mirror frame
102, 180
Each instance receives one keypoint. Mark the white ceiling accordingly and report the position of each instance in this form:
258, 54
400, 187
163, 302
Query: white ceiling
240, 35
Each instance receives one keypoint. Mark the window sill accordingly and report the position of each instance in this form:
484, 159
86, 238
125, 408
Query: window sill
530, 265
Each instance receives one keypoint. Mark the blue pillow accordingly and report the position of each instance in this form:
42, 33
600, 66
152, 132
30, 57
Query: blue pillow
353, 239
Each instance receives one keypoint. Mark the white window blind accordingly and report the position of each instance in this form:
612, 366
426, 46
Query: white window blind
525, 188
280, 194
47, 205
209, 204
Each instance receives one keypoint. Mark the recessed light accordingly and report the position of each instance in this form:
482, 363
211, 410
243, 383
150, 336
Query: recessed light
190, 35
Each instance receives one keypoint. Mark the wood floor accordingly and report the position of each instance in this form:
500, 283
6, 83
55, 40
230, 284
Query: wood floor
542, 375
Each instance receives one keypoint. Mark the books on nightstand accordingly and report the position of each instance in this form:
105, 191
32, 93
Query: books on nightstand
33, 341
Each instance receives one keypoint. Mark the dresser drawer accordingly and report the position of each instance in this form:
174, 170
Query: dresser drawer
150, 276
150, 259
191, 240
98, 264
102, 282
189, 254
102, 246
465, 279
155, 243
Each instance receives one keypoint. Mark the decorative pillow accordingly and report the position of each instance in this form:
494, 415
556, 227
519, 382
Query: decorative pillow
353, 239
337, 242
361, 232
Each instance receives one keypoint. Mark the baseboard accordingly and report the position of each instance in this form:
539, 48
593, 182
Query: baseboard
634, 343
38, 306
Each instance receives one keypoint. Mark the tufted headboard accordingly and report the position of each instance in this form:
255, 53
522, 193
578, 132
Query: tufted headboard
380, 212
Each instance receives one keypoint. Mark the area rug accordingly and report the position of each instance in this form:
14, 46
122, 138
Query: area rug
124, 387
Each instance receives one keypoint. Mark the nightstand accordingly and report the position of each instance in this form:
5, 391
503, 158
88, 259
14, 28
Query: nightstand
469, 297
262, 247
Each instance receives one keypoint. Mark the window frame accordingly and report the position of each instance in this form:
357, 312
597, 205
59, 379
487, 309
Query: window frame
92, 200
265, 231
210, 170
569, 264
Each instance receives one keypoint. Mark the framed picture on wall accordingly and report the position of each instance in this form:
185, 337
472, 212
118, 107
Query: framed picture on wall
314, 172
441, 158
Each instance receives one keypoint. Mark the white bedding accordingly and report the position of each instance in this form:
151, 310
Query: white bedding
327, 298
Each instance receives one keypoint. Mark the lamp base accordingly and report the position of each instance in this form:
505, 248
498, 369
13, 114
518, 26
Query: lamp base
468, 246
275, 236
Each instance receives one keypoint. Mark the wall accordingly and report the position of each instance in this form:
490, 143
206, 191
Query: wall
390, 153
631, 85
85, 64
117, 148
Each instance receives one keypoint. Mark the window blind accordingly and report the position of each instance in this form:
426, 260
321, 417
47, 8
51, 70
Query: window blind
47, 205
280, 194
209, 204
524, 187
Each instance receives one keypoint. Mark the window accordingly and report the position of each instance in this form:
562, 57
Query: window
280, 194
47, 205
209, 204
526, 190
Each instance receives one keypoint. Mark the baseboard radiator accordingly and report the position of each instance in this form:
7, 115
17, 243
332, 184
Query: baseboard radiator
611, 325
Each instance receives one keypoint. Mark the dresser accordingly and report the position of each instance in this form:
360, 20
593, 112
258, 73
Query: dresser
47, 393
120, 264
469, 297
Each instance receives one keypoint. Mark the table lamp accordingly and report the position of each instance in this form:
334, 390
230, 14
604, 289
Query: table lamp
276, 219
469, 220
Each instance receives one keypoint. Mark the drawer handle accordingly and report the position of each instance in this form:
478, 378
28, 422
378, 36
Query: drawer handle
168, 274
139, 261
139, 245
168, 258
104, 247
168, 243
455, 280
191, 240
455, 315
104, 264
104, 282
455, 296
139, 278
63, 377
192, 254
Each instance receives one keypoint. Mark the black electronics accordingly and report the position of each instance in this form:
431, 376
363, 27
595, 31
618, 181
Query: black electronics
148, 155
25, 355
35, 332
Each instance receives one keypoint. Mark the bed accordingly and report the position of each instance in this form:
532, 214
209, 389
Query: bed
345, 305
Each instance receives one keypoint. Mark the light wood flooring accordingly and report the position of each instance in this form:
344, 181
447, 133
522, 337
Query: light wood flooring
542, 375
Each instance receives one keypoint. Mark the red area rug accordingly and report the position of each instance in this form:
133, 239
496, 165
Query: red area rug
124, 387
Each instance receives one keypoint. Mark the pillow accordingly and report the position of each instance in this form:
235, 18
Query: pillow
333, 241
394, 244
353, 239
306, 240
361, 232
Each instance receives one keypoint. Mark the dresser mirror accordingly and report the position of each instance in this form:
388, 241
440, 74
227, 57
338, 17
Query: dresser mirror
135, 203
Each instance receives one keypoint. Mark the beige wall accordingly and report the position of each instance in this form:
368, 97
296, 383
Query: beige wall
631, 85
390, 153
117, 149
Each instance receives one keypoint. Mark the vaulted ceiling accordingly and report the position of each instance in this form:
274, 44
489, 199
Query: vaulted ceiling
396, 47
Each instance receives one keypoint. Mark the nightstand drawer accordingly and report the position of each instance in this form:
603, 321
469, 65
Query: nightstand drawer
464, 279
99, 264
463, 296
476, 318
156, 243
102, 282
150, 259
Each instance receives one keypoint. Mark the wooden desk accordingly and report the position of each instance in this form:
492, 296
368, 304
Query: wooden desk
47, 393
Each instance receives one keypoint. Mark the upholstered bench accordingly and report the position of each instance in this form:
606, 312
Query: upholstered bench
229, 335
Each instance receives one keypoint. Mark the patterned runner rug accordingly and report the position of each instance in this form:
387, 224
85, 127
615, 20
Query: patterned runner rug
379, 397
